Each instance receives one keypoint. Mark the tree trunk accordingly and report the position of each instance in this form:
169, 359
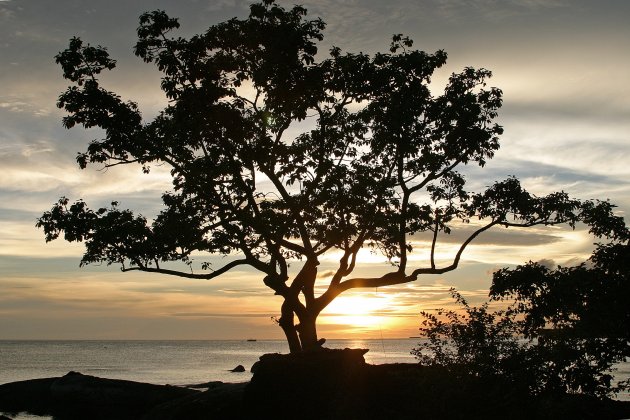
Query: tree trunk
307, 331
288, 326
301, 337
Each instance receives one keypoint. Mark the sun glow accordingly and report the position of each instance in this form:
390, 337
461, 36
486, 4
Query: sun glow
361, 310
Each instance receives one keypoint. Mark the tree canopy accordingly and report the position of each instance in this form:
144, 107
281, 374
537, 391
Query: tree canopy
374, 164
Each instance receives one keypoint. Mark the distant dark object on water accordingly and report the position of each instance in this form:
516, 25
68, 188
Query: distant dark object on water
251, 339
239, 368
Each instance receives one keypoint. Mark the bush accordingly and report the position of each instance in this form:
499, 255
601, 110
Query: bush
500, 344
561, 331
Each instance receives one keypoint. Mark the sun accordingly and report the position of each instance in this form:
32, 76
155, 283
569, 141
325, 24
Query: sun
361, 310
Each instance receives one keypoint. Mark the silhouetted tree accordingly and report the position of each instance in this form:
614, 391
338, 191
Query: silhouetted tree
563, 330
373, 166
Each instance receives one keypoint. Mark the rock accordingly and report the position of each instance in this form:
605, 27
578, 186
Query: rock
224, 401
91, 396
82, 396
334, 360
208, 385
313, 384
239, 368
32, 395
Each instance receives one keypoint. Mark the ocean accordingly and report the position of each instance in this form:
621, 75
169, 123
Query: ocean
175, 362
165, 362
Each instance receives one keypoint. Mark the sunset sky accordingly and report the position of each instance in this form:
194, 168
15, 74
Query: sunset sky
564, 68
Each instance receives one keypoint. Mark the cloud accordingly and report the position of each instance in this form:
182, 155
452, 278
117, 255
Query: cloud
5, 14
35, 36
225, 314
245, 291
496, 236
21, 238
569, 162
18, 106
543, 4
234, 6
585, 169
102, 293
325, 274
548, 263
490, 10
39, 168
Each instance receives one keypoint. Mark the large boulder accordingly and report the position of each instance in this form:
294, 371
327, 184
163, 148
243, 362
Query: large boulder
222, 401
98, 397
81, 396
303, 385
32, 395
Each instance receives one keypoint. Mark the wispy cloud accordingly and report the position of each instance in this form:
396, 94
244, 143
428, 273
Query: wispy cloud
228, 5
491, 9
225, 314
5, 13
18, 106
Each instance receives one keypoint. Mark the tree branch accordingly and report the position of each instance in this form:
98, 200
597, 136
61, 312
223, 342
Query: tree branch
206, 276
397, 277
433, 176
435, 235
295, 212
414, 275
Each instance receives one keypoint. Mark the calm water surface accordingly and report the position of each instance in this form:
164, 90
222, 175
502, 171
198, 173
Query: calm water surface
164, 362
173, 362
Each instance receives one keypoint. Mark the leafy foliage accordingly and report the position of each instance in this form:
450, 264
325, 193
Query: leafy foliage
478, 341
374, 161
563, 330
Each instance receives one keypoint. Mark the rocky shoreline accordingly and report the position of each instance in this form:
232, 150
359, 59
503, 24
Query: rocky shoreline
330, 384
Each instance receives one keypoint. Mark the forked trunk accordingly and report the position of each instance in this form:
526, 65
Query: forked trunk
301, 337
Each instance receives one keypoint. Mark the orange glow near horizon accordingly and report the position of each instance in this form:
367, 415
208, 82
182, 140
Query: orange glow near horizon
360, 311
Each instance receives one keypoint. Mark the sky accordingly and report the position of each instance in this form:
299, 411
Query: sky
564, 68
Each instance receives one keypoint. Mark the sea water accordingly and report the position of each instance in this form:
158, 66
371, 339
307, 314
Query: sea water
165, 362
175, 362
